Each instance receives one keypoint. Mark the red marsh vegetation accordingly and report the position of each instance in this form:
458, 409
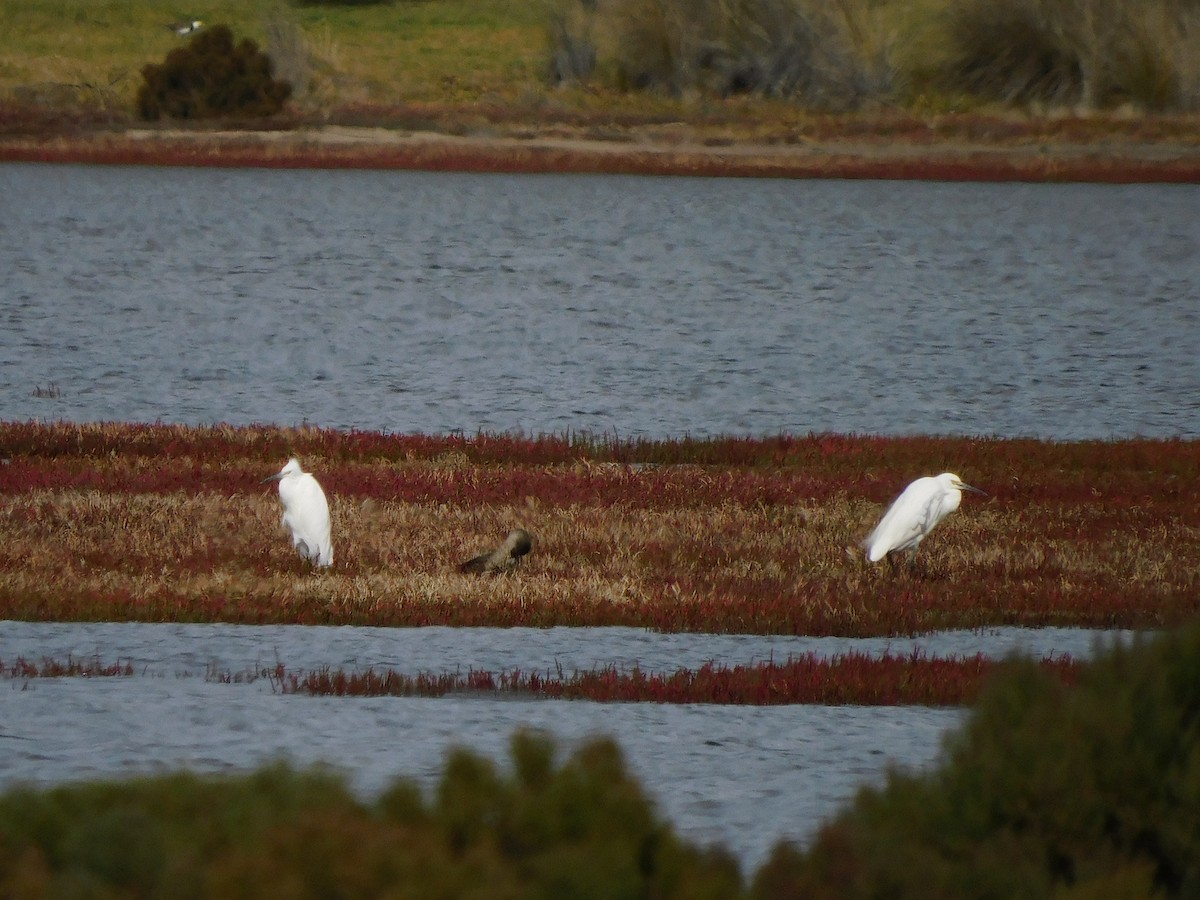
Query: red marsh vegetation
68, 668
853, 678
170, 523
850, 678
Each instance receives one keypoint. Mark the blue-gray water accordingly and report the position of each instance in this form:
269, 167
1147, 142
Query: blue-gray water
405, 301
745, 777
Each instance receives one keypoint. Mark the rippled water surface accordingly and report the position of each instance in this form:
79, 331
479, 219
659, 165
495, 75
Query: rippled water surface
425, 302
741, 776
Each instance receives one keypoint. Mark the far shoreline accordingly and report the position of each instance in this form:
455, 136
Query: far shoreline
883, 157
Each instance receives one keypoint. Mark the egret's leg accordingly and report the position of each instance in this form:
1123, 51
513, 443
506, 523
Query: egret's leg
914, 567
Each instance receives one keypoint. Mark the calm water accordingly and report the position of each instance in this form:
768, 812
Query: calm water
741, 776
425, 302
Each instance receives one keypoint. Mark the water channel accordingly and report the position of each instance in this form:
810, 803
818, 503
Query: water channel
744, 777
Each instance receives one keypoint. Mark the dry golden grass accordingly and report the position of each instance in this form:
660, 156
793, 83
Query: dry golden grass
102, 522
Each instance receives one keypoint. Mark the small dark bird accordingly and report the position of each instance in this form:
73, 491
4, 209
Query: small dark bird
504, 558
185, 28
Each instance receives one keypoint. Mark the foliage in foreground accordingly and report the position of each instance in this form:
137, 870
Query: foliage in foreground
1048, 791
582, 828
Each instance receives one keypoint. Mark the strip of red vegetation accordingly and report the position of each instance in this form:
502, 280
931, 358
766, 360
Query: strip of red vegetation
853, 679
677, 487
775, 469
267, 443
70, 668
243, 152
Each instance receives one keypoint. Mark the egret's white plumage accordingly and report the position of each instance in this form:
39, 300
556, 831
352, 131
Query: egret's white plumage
185, 28
305, 513
915, 513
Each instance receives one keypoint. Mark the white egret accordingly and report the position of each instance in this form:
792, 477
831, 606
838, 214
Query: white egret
504, 558
185, 28
915, 513
305, 513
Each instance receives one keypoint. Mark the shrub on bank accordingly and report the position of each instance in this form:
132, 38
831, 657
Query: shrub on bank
828, 57
1047, 791
1091, 53
211, 77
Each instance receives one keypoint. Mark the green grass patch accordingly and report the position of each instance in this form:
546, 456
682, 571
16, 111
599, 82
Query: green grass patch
756, 62
447, 50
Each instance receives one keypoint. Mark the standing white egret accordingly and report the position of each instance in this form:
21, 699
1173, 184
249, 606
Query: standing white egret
915, 513
305, 513
185, 28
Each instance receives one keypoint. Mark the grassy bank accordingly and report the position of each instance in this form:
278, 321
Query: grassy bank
92, 51
484, 67
163, 523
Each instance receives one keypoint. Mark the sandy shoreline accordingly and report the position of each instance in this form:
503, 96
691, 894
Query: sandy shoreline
677, 152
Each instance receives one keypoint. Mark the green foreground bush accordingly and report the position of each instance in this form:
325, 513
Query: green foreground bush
1092, 791
581, 829
1049, 791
